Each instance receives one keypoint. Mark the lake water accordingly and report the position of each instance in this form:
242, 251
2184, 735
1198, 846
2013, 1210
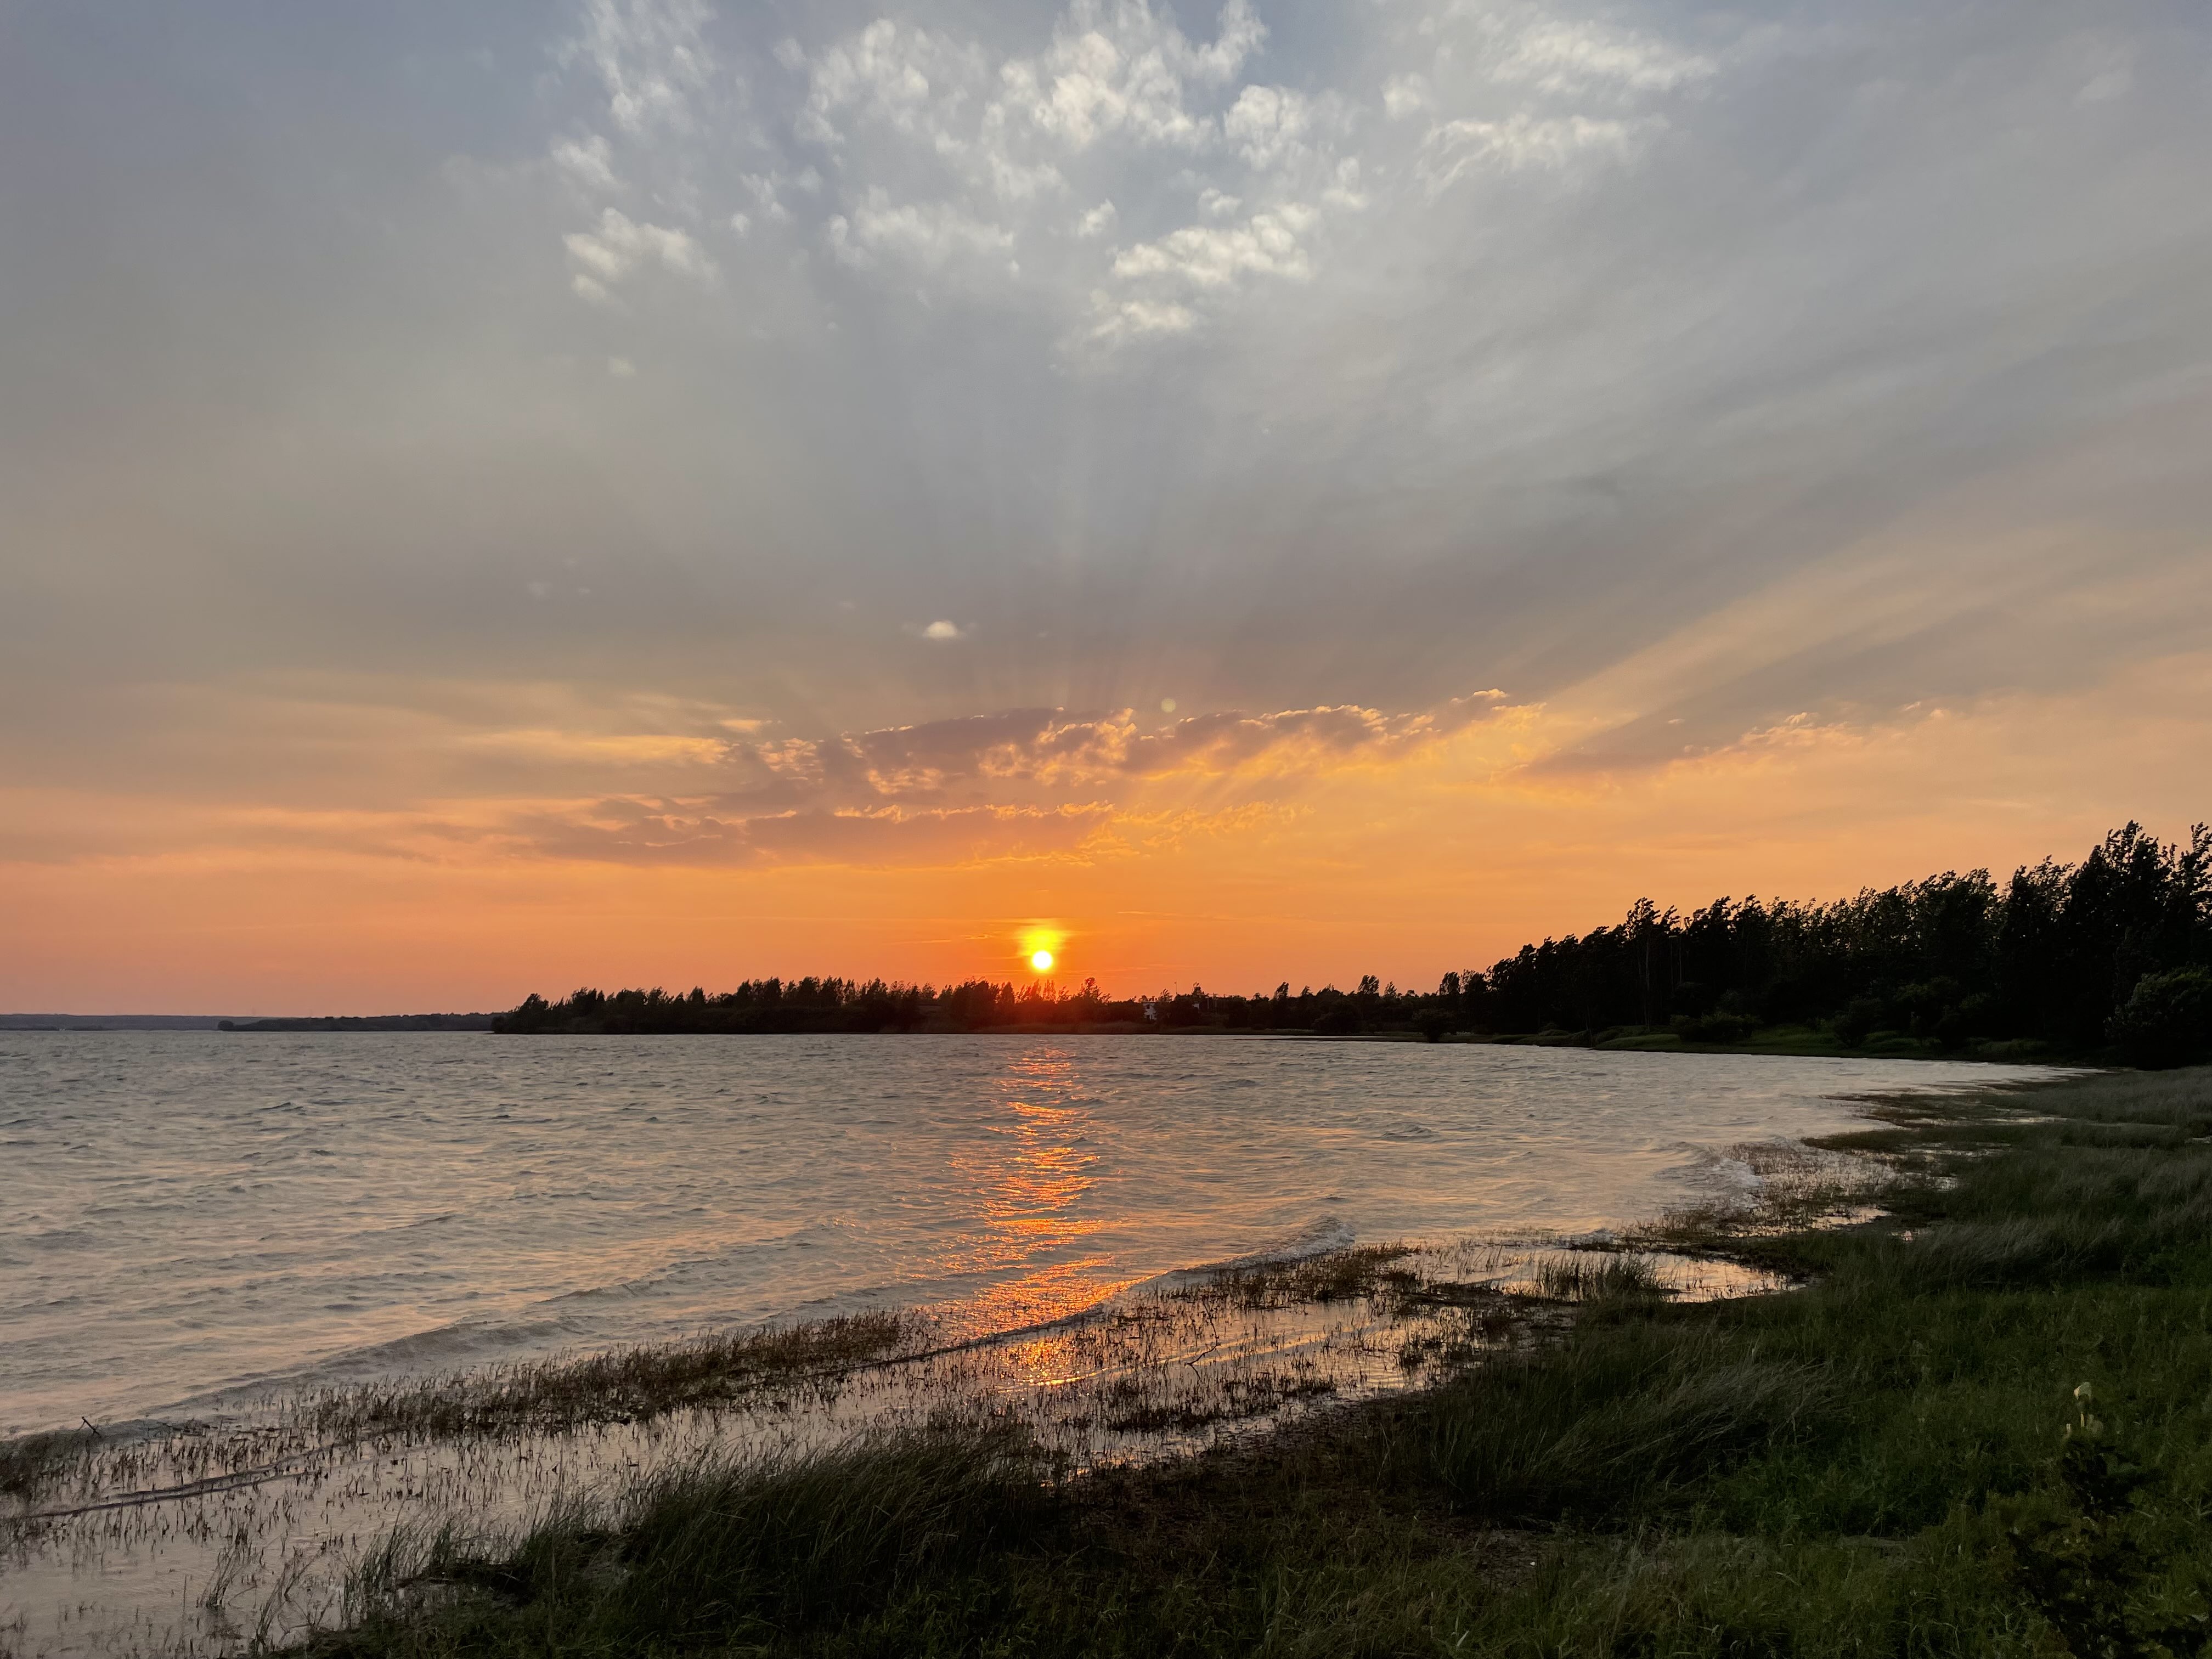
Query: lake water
191, 1218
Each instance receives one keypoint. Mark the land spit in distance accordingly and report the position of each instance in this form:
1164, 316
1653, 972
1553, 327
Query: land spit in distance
192, 1523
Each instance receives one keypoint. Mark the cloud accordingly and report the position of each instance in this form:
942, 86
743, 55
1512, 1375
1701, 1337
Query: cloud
1054, 747
1115, 321
651, 56
590, 162
1568, 56
1404, 95
986, 146
762, 189
923, 158
1123, 68
691, 832
620, 248
1209, 257
928, 235
1456, 148
912, 81
1267, 123
943, 630
1025, 783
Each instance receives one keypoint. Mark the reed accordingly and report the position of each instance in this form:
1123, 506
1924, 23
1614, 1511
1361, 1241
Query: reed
625, 1384
1598, 1276
29, 1463
713, 1553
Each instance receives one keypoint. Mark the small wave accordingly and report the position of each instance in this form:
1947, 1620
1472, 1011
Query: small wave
1317, 1237
62, 1238
1321, 1236
690, 1273
441, 1348
1724, 1176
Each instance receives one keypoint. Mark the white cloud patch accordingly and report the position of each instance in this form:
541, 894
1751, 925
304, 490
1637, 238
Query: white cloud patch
651, 56
1116, 322
987, 148
914, 153
1345, 191
1124, 68
1456, 148
1404, 95
1267, 124
1560, 56
925, 234
1216, 257
911, 80
589, 161
621, 247
762, 189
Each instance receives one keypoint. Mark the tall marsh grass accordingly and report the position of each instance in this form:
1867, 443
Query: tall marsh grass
712, 1553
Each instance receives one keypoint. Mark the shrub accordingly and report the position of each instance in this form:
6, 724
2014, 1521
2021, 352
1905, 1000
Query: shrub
1716, 1028
2166, 1020
1860, 1019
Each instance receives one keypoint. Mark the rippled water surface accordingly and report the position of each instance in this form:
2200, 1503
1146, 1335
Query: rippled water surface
186, 1213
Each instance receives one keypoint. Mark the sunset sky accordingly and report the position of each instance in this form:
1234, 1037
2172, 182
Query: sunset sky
507, 496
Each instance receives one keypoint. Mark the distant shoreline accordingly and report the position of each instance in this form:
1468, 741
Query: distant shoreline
1783, 1042
365, 1022
1799, 1042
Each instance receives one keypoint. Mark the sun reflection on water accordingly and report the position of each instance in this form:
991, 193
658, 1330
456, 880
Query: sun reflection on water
1035, 1184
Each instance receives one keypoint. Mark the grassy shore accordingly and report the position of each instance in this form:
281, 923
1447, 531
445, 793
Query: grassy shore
1872, 1464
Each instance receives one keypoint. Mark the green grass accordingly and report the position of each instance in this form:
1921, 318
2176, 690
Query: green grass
1867, 1466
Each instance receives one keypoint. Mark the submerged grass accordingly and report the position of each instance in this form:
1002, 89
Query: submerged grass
1868, 1466
1597, 1277
1370, 1270
31, 1463
625, 1384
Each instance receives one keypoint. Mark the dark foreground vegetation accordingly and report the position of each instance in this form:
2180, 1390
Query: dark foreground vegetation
1983, 1427
2111, 956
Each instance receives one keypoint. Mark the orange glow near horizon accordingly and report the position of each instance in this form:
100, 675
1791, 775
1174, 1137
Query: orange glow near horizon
1441, 858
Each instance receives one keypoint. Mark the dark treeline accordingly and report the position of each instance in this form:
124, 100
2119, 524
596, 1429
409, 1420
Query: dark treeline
364, 1022
2110, 955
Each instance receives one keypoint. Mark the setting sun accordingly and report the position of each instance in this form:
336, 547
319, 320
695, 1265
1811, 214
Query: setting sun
1041, 961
